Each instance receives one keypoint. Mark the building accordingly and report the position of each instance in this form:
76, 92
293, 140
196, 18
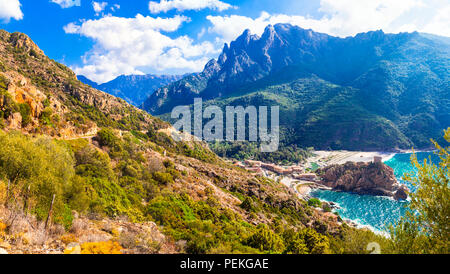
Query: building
377, 159
306, 177
297, 169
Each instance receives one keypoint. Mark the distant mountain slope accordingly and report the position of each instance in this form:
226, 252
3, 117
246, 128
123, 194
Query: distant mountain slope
373, 91
87, 81
134, 89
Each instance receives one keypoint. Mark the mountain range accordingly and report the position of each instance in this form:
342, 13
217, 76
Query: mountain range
134, 89
373, 91
92, 166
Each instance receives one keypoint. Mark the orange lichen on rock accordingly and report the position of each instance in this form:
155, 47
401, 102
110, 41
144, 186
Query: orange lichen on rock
109, 247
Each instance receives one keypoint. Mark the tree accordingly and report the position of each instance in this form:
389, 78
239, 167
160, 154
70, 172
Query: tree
41, 164
426, 226
265, 239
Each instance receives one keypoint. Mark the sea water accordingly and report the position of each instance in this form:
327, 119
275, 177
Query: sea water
374, 211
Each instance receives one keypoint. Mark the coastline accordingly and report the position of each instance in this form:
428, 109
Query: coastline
325, 158
305, 189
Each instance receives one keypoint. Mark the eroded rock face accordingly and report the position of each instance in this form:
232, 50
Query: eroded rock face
363, 178
401, 193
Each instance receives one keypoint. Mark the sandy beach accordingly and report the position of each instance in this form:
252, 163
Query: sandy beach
341, 157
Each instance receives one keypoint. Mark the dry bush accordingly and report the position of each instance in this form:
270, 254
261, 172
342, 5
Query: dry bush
138, 243
79, 226
155, 164
57, 230
69, 238
19, 223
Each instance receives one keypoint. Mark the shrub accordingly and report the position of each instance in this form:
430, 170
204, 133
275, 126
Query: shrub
265, 239
43, 165
163, 177
25, 112
69, 238
247, 204
101, 248
109, 247
315, 242
46, 116
314, 202
107, 138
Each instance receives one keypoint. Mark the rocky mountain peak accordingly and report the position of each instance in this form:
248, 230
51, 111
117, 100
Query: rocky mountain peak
23, 42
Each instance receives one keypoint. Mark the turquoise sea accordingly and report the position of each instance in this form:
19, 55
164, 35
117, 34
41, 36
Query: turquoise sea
373, 211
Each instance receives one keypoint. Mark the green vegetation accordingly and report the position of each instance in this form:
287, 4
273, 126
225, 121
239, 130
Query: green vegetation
8, 106
365, 103
123, 173
25, 112
426, 227
84, 179
42, 165
246, 150
191, 149
265, 239
314, 202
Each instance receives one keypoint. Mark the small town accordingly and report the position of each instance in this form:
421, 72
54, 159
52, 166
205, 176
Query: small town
301, 178
265, 169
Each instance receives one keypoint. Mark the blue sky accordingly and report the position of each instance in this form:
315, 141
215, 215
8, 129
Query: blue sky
104, 39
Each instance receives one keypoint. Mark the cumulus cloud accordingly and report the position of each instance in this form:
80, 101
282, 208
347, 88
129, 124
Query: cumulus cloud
135, 45
67, 3
348, 17
99, 7
10, 9
181, 5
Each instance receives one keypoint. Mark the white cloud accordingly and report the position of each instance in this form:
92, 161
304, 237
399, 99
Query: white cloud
181, 5
115, 7
10, 9
99, 7
440, 24
67, 3
348, 17
135, 45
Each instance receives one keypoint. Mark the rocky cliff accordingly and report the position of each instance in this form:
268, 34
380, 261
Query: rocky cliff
357, 93
39, 95
363, 178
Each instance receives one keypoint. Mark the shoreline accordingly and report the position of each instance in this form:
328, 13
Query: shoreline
305, 190
326, 158
357, 223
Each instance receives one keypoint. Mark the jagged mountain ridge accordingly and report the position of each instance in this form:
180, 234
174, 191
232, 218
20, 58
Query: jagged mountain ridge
397, 83
134, 89
118, 164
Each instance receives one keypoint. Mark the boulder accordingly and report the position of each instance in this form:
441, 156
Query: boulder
401, 193
362, 178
